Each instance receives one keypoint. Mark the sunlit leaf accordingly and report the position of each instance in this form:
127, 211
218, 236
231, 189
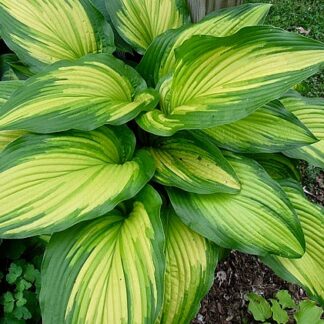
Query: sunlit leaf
190, 265
43, 32
50, 182
192, 165
84, 94
109, 270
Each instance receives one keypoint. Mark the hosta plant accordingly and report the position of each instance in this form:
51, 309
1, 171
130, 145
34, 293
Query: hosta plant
146, 146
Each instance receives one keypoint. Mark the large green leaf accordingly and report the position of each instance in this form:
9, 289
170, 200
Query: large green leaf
192, 165
270, 129
139, 22
258, 220
307, 271
6, 90
219, 80
159, 59
109, 270
43, 32
311, 112
190, 264
50, 182
83, 95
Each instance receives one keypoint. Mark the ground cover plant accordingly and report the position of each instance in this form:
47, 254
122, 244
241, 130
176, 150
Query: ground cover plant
147, 146
20, 280
283, 309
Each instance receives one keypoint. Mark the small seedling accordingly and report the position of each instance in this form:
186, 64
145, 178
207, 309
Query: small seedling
284, 308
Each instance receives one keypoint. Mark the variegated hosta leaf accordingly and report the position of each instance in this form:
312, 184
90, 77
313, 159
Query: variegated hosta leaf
190, 264
159, 59
269, 129
50, 182
311, 112
219, 80
6, 89
109, 270
258, 220
307, 271
139, 22
83, 95
43, 32
192, 165
278, 166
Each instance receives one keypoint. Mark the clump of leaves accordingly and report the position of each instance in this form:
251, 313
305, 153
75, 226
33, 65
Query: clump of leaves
20, 280
283, 309
145, 145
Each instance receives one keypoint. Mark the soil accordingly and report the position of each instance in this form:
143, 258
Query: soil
240, 274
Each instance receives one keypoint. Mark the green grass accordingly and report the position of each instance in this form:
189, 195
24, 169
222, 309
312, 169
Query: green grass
308, 14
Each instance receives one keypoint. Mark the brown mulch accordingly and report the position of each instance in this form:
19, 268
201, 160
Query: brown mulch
240, 274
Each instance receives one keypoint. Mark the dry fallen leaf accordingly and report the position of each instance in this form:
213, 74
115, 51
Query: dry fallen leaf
303, 31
